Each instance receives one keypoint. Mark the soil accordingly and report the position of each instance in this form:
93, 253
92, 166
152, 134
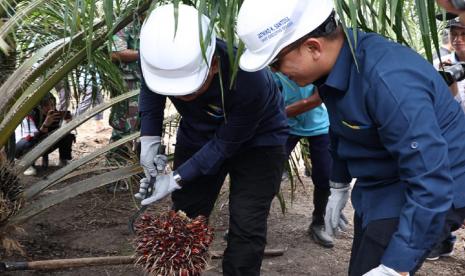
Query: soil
96, 224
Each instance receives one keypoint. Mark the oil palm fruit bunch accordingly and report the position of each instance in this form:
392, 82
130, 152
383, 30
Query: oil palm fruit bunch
11, 200
11, 192
172, 244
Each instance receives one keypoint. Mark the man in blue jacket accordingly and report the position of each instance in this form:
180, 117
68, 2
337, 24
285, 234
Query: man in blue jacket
393, 125
234, 128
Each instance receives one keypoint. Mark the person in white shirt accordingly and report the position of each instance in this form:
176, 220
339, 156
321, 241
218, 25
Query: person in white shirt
37, 125
457, 39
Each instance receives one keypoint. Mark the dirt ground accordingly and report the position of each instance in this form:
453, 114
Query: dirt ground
96, 224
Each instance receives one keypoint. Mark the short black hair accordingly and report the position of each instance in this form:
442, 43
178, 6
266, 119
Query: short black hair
47, 98
326, 28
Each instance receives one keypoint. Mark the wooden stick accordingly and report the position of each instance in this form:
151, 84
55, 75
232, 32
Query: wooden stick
97, 261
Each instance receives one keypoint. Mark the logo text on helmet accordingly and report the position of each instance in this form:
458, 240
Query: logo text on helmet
275, 29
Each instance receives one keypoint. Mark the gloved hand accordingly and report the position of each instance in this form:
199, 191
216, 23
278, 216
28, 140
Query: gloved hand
143, 186
152, 162
336, 203
383, 270
160, 165
164, 185
149, 149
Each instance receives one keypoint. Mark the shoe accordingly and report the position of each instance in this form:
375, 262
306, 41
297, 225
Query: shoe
443, 249
63, 162
31, 171
319, 235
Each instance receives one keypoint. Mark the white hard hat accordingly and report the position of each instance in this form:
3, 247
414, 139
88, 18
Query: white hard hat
267, 26
171, 59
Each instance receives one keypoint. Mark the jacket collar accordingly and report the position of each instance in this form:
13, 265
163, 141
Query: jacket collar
339, 76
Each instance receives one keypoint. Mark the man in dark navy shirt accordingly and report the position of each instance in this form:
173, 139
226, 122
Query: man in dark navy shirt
393, 124
237, 128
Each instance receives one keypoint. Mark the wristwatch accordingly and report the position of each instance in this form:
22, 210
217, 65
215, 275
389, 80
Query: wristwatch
177, 178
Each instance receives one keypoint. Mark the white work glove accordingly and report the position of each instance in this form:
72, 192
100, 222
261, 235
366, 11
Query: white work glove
336, 203
143, 186
160, 165
382, 270
164, 185
149, 149
152, 162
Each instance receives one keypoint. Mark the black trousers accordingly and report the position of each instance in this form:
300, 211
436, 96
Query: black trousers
454, 220
255, 179
64, 146
318, 147
370, 242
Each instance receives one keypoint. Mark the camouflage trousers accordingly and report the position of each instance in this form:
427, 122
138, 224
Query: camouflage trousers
124, 119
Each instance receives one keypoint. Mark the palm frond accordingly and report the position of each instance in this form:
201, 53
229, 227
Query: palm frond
56, 176
72, 190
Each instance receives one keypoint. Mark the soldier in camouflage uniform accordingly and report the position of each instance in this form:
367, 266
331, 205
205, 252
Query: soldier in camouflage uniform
124, 116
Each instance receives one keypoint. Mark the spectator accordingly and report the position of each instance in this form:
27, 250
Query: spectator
124, 116
37, 125
308, 119
457, 39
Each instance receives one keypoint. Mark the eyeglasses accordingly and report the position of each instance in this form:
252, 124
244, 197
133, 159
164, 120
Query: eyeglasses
326, 28
276, 62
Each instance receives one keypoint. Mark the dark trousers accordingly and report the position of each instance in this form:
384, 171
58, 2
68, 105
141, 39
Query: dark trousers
318, 147
255, 178
370, 242
454, 220
64, 147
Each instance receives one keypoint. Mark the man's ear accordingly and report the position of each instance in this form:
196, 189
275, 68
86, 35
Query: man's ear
314, 46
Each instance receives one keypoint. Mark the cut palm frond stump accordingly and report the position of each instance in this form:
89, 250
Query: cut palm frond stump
11, 200
173, 244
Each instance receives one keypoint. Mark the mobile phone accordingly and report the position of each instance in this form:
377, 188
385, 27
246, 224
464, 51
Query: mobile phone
62, 113
65, 114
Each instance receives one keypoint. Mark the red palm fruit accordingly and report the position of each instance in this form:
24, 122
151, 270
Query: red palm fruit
172, 244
